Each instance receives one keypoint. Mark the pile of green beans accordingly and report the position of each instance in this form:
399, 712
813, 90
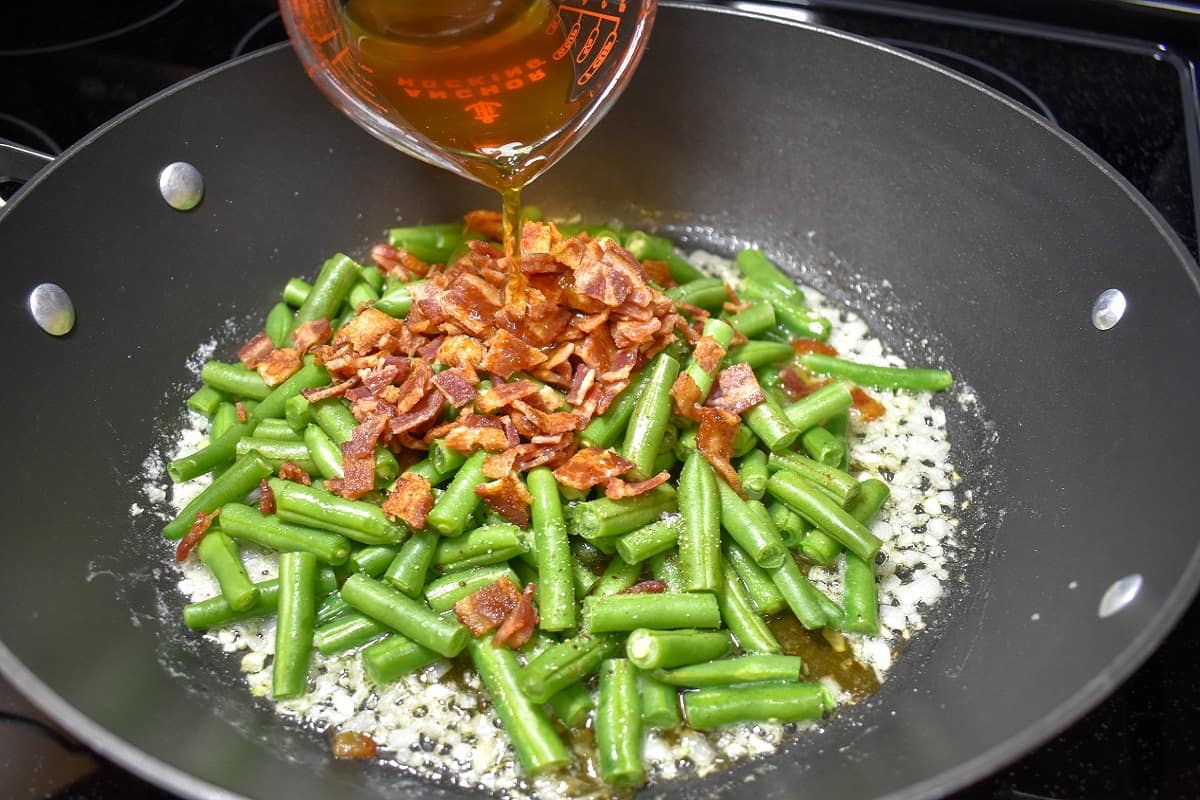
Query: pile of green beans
709, 563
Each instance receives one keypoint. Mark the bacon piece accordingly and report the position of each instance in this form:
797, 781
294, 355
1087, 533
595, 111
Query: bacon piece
364, 438
802, 346
422, 414
455, 386
617, 489
460, 351
255, 351
714, 439
591, 467
486, 222
280, 365
194, 534
659, 272
291, 471
359, 477
581, 383
518, 626
737, 389
485, 609
467, 440
398, 261
414, 388
376, 380
239, 409
508, 497
500, 464
354, 745
410, 499
608, 273
654, 586
365, 329
266, 498
311, 333
866, 406
799, 383
507, 354
316, 393
538, 237
686, 395
708, 354
501, 394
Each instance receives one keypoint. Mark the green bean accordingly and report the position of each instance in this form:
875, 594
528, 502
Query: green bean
839, 426
737, 670
666, 568
430, 243
752, 470
298, 413
824, 513
841, 486
407, 570
294, 626
221, 450
604, 518
619, 725
792, 527
791, 315
825, 403
618, 576
759, 354
700, 536
223, 419
529, 729
582, 578
755, 267
445, 459
823, 446
625, 612
428, 471
917, 380
450, 513
296, 291
397, 300
333, 284
755, 533
307, 505
277, 429
860, 600
706, 293
740, 616
820, 547
349, 631
681, 269
405, 615
722, 334
662, 649
234, 379
244, 522
755, 319
766, 702
216, 611
647, 246
278, 326
660, 703
489, 544
762, 591
565, 663
555, 587
335, 419
372, 276
276, 451
872, 494
606, 429
205, 400
649, 540
572, 704
230, 486
651, 414
372, 561
771, 426
394, 657
332, 607
442, 593
802, 597
324, 454
220, 554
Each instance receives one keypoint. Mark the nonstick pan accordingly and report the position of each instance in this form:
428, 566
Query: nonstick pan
967, 231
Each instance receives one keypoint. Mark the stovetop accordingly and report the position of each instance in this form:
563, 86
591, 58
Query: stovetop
1117, 74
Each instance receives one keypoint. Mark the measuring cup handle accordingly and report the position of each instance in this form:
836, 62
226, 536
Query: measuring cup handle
19, 163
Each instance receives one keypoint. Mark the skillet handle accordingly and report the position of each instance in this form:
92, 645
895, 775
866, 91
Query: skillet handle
18, 163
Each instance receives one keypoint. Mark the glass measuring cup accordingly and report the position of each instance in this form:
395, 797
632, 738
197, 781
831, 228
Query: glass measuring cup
494, 90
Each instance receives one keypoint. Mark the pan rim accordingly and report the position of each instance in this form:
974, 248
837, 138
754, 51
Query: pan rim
1049, 724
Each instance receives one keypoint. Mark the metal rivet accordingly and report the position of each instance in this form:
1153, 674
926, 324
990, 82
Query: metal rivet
181, 185
1108, 309
52, 309
1120, 594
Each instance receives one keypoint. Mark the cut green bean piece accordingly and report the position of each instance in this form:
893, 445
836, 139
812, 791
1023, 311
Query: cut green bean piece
825, 403
792, 527
700, 536
205, 400
713, 707
337, 276
823, 446
234, 379
755, 266
244, 522
407, 616
839, 485
278, 429
791, 315
727, 671
625, 612
660, 703
915, 380
743, 621
839, 426
220, 554
649, 540
394, 657
722, 334
397, 300
223, 419
618, 576
350, 631
298, 413
332, 607
666, 568
372, 561
824, 513
445, 459
444, 592
756, 534
450, 513
294, 626
860, 600
572, 705
323, 452
762, 591
619, 725
276, 451
802, 597
651, 414
335, 419
296, 291
604, 518
408, 570
555, 586
278, 326
757, 318
604, 430
307, 505
216, 611
658, 649
707, 293
752, 470
769, 424
759, 354
489, 544
565, 663
230, 486
820, 547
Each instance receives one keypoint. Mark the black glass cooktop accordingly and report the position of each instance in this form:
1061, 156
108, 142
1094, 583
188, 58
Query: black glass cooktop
1120, 76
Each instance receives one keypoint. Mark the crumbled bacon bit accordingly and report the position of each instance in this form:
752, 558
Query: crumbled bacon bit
291, 471
508, 497
502, 394
591, 467
410, 499
507, 354
365, 329
737, 389
685, 394
280, 365
315, 393
867, 407
240, 411
714, 439
467, 440
398, 261
708, 354
311, 333
354, 745
802, 346
194, 534
654, 586
266, 498
485, 222
255, 351
617, 489
518, 626
455, 386
485, 609
359, 476
799, 383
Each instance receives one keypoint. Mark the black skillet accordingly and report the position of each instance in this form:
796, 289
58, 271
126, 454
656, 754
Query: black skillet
965, 229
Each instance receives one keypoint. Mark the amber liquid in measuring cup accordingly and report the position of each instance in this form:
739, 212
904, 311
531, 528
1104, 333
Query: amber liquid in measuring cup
495, 90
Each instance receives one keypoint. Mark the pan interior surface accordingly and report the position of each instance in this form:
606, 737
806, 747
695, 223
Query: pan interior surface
965, 232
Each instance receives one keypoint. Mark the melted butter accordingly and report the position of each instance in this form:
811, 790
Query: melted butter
824, 657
